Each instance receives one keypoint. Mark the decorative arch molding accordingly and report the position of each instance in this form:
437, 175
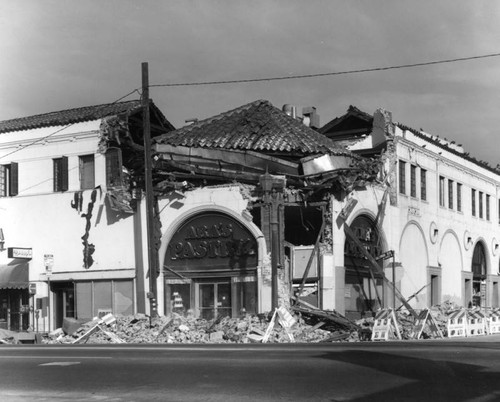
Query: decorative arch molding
178, 221
416, 224
370, 215
487, 256
452, 233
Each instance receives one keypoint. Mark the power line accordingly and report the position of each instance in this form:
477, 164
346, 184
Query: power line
293, 77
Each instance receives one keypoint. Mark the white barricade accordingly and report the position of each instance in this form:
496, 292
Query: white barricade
457, 324
476, 323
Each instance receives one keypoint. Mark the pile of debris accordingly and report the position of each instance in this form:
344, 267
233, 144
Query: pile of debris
308, 327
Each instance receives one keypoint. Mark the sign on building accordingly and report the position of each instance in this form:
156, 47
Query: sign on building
18, 252
48, 260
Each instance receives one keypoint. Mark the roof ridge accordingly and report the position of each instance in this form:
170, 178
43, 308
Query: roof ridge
68, 110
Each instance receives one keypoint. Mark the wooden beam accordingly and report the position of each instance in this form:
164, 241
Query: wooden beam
373, 265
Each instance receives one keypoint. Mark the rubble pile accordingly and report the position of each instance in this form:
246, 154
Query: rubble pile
309, 326
180, 329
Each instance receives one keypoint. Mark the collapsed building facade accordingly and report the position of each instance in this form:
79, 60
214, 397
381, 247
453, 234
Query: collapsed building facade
405, 220
246, 203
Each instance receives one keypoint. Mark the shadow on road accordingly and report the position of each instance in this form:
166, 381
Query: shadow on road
431, 380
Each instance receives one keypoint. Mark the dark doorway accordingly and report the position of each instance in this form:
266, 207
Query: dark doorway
64, 301
479, 276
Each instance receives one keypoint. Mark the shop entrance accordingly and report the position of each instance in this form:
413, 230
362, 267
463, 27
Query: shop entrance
210, 267
214, 299
14, 309
64, 300
479, 276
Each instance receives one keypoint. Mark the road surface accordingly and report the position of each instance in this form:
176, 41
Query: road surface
369, 371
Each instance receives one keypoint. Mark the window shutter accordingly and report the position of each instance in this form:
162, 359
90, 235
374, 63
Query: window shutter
64, 173
14, 182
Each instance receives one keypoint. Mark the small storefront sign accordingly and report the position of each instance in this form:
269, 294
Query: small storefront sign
48, 260
19, 252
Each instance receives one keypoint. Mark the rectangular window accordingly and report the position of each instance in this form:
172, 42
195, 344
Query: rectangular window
487, 207
459, 197
480, 202
450, 194
87, 172
9, 180
499, 211
413, 180
113, 167
441, 191
402, 177
60, 174
473, 201
423, 184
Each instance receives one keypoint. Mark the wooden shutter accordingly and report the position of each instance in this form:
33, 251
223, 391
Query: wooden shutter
14, 182
64, 173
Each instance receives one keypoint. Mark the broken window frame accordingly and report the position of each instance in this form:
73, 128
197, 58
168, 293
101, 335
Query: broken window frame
114, 173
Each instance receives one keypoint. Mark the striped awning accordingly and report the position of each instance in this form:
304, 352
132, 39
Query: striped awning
14, 276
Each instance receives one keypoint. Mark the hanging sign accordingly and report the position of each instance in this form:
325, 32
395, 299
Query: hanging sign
48, 260
18, 252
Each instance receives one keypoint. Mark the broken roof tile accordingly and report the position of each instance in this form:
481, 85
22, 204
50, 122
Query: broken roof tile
257, 126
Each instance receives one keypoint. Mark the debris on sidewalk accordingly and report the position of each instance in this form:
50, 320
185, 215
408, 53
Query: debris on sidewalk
298, 324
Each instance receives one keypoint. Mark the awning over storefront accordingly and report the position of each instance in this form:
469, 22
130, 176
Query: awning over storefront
14, 276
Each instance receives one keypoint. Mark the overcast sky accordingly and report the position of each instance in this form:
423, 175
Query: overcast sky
58, 54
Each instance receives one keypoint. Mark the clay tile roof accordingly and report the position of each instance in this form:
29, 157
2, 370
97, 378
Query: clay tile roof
257, 126
70, 116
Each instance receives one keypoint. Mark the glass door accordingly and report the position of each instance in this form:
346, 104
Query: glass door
214, 300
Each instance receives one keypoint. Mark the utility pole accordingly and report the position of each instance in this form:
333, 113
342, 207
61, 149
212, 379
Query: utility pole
148, 178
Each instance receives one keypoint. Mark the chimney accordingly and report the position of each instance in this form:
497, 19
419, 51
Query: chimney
290, 110
311, 118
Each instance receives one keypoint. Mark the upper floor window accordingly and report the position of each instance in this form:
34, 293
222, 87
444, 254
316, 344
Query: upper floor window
459, 197
413, 180
423, 184
402, 177
487, 207
60, 174
441, 191
450, 194
480, 202
113, 167
473, 201
87, 172
9, 180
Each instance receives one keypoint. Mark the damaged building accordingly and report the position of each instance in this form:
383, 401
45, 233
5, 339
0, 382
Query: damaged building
254, 208
431, 219
245, 201
71, 214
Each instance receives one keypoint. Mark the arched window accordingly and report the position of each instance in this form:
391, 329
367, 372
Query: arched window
479, 262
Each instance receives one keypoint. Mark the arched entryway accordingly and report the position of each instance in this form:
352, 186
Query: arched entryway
479, 269
210, 267
364, 290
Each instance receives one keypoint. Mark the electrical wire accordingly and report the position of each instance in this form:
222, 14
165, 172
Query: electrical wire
293, 77
21, 147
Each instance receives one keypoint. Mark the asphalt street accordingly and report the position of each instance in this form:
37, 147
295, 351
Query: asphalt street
467, 369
